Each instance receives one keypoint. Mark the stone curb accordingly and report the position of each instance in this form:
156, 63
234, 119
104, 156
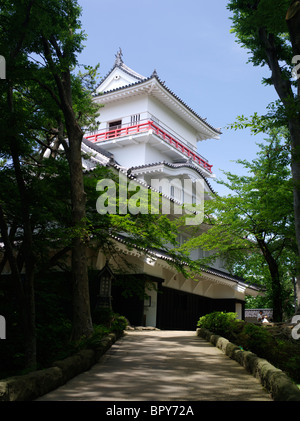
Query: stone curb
274, 380
37, 383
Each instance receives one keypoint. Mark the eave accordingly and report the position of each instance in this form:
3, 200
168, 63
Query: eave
162, 166
214, 275
153, 86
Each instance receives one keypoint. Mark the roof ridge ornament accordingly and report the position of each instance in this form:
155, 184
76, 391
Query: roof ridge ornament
154, 74
119, 58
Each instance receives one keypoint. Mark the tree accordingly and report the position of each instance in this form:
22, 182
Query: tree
271, 33
253, 228
59, 43
12, 145
145, 230
43, 103
51, 33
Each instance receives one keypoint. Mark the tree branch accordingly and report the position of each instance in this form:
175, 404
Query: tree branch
282, 85
49, 90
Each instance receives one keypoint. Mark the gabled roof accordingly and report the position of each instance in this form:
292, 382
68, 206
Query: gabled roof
119, 76
152, 84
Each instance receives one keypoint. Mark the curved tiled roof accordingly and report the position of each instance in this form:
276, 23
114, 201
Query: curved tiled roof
97, 148
175, 165
126, 171
164, 256
142, 79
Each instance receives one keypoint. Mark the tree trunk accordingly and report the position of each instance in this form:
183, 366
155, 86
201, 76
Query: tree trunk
294, 128
277, 298
297, 293
82, 322
284, 90
275, 280
293, 24
276, 293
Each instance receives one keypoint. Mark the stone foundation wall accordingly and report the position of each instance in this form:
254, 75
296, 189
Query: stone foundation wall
37, 383
274, 380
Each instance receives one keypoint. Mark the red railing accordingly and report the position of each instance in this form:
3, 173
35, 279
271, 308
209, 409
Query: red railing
145, 127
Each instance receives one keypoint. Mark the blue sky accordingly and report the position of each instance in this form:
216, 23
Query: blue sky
190, 45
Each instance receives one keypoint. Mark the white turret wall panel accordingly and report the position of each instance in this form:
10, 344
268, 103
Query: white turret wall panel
122, 110
131, 155
172, 122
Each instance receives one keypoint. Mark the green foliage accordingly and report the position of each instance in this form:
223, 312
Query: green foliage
220, 323
270, 32
281, 352
112, 322
119, 323
53, 341
54, 325
250, 16
262, 27
94, 341
107, 318
250, 230
256, 339
265, 341
147, 231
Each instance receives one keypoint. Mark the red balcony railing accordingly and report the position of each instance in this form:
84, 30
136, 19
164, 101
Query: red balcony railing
145, 127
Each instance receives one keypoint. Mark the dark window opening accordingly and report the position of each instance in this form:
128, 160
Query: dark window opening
114, 125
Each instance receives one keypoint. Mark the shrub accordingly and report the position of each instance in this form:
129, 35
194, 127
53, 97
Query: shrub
102, 316
221, 323
106, 317
119, 323
53, 324
258, 340
282, 353
95, 340
53, 341
113, 323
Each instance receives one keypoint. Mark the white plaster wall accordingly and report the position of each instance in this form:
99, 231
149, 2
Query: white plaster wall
121, 110
150, 312
172, 121
238, 310
147, 106
222, 291
116, 80
129, 155
142, 104
153, 155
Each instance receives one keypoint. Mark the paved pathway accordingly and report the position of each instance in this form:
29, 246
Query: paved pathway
162, 366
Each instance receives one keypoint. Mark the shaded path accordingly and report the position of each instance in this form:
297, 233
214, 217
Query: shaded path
162, 366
